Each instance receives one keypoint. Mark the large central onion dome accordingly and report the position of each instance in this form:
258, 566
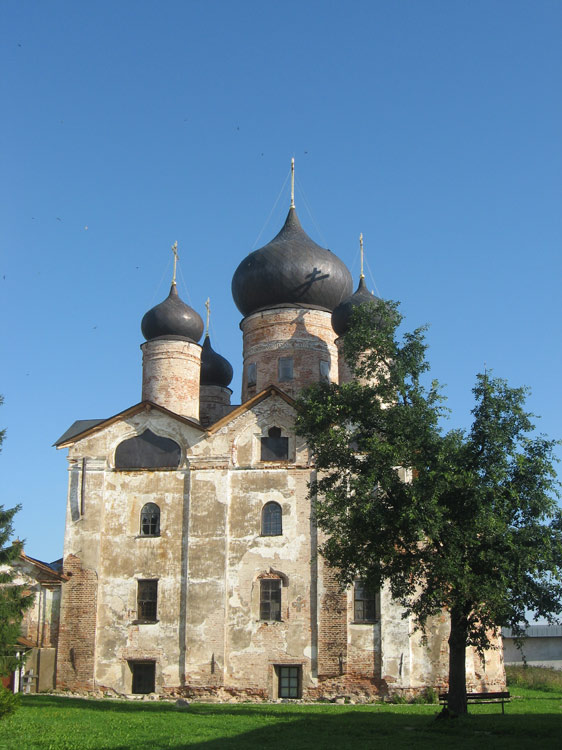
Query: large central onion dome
172, 317
291, 270
341, 317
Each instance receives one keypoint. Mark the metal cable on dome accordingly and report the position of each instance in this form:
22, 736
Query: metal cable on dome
310, 214
272, 210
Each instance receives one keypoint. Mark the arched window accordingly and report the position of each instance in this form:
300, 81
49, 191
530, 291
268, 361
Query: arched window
271, 520
150, 520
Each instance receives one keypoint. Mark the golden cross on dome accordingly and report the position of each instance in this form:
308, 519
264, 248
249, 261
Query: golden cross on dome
175, 252
208, 306
362, 275
293, 182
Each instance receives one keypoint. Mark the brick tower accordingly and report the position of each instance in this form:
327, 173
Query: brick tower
171, 361
286, 292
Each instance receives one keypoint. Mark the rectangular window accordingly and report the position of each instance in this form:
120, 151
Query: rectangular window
143, 676
285, 368
251, 374
289, 681
274, 447
270, 599
147, 598
324, 370
364, 603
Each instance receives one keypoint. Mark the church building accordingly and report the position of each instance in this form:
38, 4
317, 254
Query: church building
190, 556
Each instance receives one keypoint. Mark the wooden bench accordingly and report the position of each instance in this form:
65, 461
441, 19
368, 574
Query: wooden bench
480, 698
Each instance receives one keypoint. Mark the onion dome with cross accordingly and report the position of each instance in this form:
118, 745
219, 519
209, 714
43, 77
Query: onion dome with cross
290, 271
172, 317
215, 369
341, 317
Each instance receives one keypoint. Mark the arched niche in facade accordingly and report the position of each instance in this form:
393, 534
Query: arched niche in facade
148, 451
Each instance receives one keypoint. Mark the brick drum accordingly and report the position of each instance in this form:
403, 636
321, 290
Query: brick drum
170, 375
306, 335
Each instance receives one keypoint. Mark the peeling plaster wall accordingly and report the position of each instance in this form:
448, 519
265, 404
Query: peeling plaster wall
126, 558
208, 560
103, 531
228, 643
255, 645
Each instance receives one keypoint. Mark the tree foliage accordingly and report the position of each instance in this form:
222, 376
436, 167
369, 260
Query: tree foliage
14, 600
466, 521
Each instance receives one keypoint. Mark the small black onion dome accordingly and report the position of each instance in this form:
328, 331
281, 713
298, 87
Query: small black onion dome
342, 314
215, 369
290, 270
172, 318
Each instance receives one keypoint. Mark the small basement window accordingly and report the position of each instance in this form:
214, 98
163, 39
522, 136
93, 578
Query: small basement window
289, 682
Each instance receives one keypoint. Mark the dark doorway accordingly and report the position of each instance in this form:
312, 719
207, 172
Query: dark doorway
143, 676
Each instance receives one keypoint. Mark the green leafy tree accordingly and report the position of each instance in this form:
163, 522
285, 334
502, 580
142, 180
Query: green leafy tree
462, 521
13, 599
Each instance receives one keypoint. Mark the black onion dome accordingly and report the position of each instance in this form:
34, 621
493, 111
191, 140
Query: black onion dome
215, 369
342, 314
172, 318
290, 270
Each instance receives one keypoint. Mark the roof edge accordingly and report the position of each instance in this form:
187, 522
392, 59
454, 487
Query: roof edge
141, 406
43, 566
271, 390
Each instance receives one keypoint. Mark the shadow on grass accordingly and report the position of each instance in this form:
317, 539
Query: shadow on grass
378, 732
277, 727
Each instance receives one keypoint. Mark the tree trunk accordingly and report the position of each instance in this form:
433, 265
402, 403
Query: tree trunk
457, 662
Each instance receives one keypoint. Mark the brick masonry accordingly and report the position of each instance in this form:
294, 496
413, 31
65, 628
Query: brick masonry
214, 403
77, 635
170, 375
305, 335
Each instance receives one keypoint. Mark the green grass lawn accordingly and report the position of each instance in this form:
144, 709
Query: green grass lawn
533, 719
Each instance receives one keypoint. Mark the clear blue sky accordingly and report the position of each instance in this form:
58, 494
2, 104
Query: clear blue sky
432, 127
